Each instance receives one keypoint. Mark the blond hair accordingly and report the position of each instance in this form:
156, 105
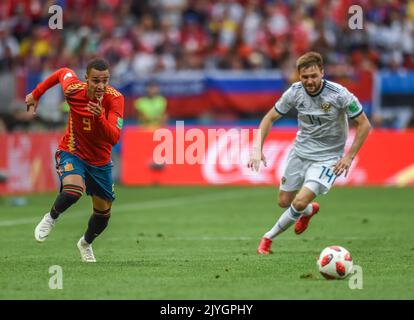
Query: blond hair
309, 59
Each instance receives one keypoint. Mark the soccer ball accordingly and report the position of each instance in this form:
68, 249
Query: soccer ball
335, 262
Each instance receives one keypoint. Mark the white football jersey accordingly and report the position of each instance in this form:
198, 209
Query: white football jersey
322, 119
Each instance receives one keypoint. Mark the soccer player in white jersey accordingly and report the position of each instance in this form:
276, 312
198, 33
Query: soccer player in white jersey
317, 157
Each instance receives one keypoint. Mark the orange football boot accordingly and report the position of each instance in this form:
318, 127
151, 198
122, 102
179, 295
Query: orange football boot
264, 246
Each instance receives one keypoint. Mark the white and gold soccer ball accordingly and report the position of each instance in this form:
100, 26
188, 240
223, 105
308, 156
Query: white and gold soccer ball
335, 262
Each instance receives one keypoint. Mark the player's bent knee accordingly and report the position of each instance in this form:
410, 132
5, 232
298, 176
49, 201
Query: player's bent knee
101, 204
284, 199
102, 207
283, 203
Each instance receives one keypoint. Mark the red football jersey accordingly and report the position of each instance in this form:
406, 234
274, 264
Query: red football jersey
89, 137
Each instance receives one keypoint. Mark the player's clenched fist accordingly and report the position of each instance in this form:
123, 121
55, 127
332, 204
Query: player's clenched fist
256, 157
31, 102
95, 107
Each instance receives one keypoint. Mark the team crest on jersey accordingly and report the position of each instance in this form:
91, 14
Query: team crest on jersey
326, 106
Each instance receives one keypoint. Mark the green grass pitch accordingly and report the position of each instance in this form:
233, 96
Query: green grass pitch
200, 243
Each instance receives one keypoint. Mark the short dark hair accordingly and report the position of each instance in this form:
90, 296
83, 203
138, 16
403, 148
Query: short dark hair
309, 59
97, 64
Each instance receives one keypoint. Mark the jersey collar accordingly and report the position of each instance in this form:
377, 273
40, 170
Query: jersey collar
320, 90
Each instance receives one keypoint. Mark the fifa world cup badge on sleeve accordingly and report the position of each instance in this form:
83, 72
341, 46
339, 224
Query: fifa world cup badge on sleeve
353, 107
120, 123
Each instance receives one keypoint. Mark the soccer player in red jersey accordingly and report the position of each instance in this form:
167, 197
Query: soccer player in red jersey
83, 157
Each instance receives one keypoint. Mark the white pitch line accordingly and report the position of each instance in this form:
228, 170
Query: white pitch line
241, 238
8, 223
147, 205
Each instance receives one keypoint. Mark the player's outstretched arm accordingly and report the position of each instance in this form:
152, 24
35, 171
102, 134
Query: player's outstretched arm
264, 128
362, 129
64, 75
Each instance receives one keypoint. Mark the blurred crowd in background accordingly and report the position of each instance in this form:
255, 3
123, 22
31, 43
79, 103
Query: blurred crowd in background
154, 35
151, 36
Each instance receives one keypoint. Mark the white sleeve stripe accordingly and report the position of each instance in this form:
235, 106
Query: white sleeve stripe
67, 75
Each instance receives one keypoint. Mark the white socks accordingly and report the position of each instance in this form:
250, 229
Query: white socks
288, 218
308, 210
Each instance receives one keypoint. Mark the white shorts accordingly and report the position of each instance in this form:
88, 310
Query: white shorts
317, 176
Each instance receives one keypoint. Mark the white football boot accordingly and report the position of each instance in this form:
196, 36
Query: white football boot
44, 227
86, 251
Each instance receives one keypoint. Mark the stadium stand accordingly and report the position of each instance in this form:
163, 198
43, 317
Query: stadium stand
142, 39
